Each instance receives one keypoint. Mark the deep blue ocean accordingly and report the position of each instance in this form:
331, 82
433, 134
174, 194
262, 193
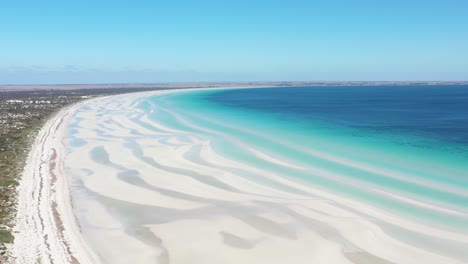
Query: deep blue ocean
440, 112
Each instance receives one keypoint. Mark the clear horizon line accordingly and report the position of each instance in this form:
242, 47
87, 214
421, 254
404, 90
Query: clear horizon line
232, 82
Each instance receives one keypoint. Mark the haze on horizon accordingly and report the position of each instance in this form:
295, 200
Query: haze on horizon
51, 42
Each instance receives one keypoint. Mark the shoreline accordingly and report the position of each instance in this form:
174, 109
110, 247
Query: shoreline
49, 229
46, 229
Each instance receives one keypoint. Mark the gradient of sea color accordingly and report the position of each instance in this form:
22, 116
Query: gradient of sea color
406, 141
408, 145
400, 150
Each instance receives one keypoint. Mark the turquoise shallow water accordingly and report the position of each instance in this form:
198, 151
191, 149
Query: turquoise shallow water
403, 150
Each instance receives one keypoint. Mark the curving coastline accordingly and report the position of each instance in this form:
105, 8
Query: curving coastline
164, 195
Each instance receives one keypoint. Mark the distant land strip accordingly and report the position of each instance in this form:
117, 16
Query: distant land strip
37, 87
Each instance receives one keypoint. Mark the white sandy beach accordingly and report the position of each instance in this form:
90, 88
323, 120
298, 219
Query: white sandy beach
46, 229
139, 192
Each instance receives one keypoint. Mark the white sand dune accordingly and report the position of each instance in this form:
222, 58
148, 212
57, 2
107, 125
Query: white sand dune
136, 191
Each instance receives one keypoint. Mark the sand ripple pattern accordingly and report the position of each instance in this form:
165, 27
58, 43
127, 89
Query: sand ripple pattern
145, 191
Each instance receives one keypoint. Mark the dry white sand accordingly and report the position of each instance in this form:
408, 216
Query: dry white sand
46, 230
145, 193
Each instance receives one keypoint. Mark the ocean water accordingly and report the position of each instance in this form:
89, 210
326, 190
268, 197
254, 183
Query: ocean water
402, 149
265, 175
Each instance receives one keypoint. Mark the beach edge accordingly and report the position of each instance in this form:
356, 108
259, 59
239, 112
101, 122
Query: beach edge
46, 229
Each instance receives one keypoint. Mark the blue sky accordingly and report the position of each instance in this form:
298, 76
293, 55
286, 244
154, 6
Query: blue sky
159, 41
